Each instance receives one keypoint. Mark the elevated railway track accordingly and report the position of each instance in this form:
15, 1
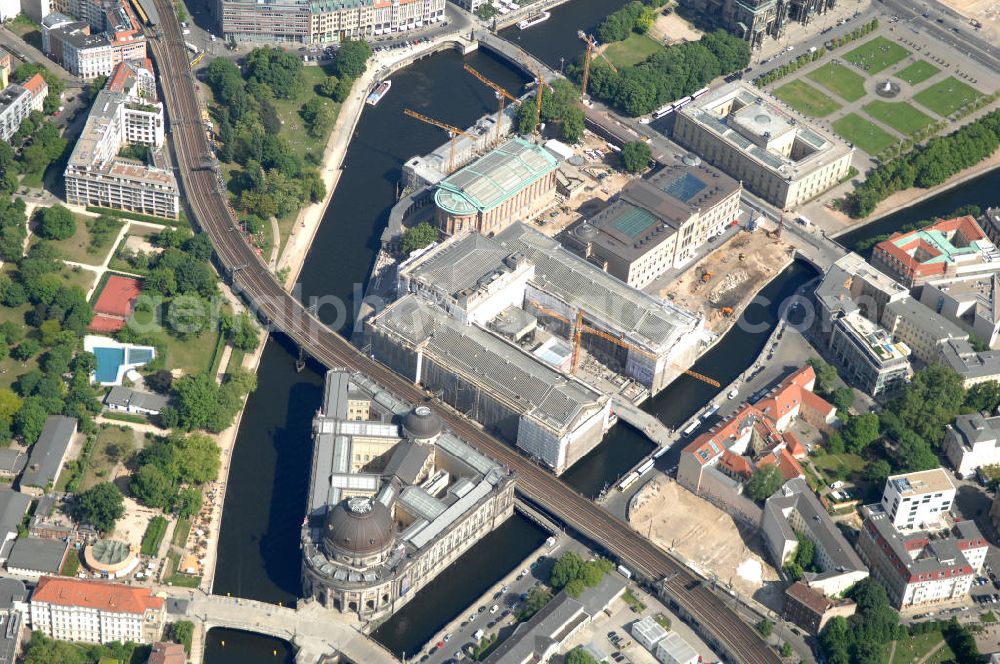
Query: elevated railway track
249, 275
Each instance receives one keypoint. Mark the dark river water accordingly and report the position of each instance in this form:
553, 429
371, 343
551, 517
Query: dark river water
259, 555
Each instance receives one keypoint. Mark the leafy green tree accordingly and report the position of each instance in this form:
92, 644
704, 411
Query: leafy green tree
10, 403
328, 86
635, 156
826, 375
152, 487
418, 237
835, 641
524, 118
860, 432
100, 506
55, 223
579, 656
932, 399
188, 502
318, 116
575, 588
877, 472
835, 443
352, 57
279, 70
566, 569
29, 420
763, 483
181, 632
43, 650
343, 89
198, 458
241, 331
56, 86
843, 399
983, 396
786, 649
765, 627
573, 124
537, 598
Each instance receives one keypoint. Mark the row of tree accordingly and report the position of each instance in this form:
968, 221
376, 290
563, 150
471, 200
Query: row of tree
667, 75
928, 165
635, 17
807, 58
864, 637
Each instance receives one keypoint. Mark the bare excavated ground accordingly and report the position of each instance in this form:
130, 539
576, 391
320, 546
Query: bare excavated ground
729, 277
674, 518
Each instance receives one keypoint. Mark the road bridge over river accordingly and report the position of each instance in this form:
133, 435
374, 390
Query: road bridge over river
207, 199
313, 630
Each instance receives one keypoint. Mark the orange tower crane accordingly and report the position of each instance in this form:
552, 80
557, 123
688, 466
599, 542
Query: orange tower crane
591, 46
579, 328
500, 93
453, 132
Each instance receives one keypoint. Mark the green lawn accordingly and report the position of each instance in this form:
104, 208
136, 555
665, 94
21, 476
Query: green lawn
77, 276
806, 99
947, 96
174, 578
112, 445
153, 537
914, 648
829, 462
292, 129
840, 80
918, 72
81, 248
10, 368
632, 50
854, 128
901, 116
875, 55
181, 530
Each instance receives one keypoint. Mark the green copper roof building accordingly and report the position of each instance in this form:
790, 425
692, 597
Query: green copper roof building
495, 178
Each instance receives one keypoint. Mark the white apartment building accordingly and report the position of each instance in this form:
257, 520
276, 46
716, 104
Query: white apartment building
919, 568
123, 114
971, 442
17, 102
95, 612
107, 35
916, 500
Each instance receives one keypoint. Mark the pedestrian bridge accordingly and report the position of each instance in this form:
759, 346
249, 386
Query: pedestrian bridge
314, 631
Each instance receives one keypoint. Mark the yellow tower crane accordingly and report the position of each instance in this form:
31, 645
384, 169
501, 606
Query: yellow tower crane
453, 132
591, 46
538, 96
579, 329
500, 93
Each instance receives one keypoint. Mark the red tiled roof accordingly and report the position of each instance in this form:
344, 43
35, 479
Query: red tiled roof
735, 464
118, 296
112, 597
101, 323
36, 85
795, 446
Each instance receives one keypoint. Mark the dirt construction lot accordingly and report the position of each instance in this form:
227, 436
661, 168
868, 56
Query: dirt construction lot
723, 280
701, 533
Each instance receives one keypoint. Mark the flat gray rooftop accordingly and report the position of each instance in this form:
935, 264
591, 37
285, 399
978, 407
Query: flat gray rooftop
555, 400
642, 318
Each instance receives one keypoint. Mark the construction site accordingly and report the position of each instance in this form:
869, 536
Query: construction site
720, 285
706, 537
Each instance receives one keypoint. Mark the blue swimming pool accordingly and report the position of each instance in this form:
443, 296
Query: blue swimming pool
108, 362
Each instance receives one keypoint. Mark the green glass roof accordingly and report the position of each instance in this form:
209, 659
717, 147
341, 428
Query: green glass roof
494, 178
634, 222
